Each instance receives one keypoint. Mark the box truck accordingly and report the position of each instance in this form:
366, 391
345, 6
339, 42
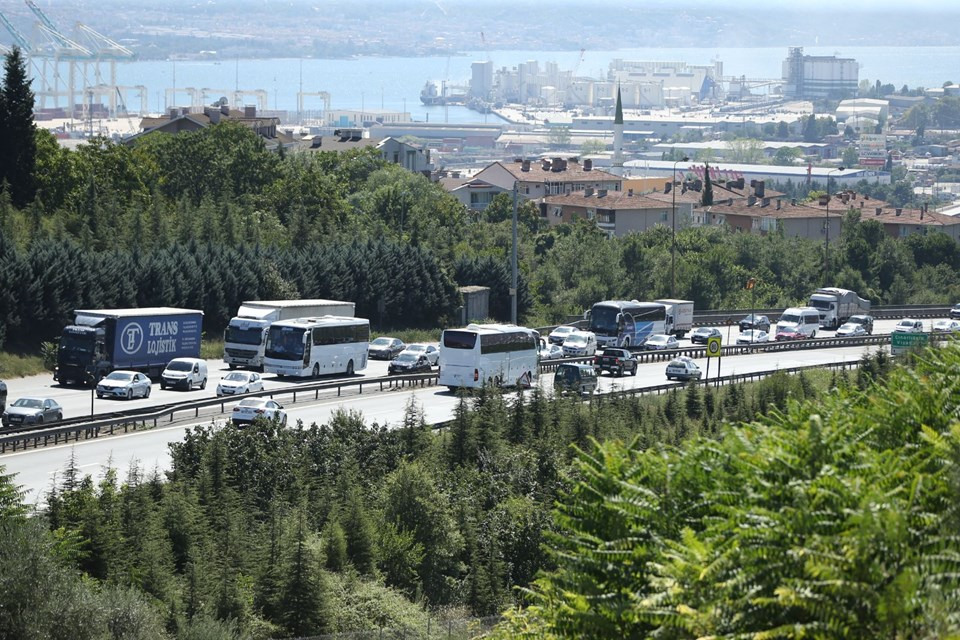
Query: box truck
835, 306
102, 340
679, 316
244, 341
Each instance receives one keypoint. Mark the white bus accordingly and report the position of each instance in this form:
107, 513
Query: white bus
626, 323
317, 346
493, 354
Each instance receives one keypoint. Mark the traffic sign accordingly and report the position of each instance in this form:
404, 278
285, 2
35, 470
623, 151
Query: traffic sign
713, 347
900, 342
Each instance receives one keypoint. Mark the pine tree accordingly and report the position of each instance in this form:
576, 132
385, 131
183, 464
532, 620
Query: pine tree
707, 198
17, 130
302, 598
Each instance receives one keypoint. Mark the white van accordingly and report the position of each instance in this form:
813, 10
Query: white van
580, 343
184, 373
805, 320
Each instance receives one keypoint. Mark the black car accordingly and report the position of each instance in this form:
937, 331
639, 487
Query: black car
3, 395
385, 348
409, 362
754, 321
700, 335
955, 312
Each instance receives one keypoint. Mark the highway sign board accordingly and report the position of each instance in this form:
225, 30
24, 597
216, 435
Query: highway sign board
900, 342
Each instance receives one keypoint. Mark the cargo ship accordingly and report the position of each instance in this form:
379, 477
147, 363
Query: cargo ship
447, 94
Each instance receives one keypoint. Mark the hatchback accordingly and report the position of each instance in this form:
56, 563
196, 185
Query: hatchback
683, 368
250, 409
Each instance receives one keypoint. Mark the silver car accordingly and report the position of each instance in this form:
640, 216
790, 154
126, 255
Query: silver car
250, 409
124, 384
237, 382
851, 330
429, 350
32, 411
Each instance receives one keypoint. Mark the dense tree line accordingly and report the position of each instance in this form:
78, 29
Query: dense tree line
269, 532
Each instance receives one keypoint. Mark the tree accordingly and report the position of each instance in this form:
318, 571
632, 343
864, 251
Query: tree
707, 196
850, 156
787, 156
17, 130
746, 150
559, 136
593, 146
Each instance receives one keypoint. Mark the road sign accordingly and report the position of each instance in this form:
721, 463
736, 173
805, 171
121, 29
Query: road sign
713, 347
900, 342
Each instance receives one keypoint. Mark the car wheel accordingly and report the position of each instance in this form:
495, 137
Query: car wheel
283, 420
634, 372
100, 396
203, 383
163, 385
190, 385
129, 394
619, 372
350, 368
39, 419
146, 394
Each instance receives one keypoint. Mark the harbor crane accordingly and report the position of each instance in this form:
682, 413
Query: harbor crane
63, 48
323, 95
105, 50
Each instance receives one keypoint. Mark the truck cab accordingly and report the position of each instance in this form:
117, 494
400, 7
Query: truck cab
81, 355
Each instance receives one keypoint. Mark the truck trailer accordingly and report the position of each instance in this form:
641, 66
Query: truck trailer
244, 341
102, 340
835, 306
679, 316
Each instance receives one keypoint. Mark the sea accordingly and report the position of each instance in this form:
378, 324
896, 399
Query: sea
394, 83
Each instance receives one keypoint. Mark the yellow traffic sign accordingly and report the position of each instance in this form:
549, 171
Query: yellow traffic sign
713, 347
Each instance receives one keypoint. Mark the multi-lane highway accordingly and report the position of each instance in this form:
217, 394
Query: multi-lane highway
147, 450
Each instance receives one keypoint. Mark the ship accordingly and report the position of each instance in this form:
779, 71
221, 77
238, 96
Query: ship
432, 96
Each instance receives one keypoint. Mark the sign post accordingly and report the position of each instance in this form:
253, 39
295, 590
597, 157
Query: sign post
713, 351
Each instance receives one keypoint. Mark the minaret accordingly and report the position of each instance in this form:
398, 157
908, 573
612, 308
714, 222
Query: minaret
618, 137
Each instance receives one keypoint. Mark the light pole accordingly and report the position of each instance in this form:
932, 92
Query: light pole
826, 237
673, 235
513, 261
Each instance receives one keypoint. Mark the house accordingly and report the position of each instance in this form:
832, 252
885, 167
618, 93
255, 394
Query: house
183, 121
533, 180
618, 212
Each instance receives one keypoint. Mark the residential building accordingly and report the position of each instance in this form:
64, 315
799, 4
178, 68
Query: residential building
182, 120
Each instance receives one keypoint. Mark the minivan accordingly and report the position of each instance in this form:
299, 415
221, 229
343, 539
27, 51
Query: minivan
184, 373
575, 378
806, 320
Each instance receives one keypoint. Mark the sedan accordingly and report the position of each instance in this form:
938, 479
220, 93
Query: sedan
237, 382
250, 409
790, 333
558, 335
409, 362
661, 341
753, 321
700, 335
124, 384
385, 348
753, 336
946, 326
851, 330
429, 350
551, 352
683, 368
32, 411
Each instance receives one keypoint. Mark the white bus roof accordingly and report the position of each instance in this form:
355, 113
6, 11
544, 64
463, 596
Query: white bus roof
493, 328
319, 321
293, 303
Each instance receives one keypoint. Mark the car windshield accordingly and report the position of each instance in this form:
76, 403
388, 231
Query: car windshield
562, 330
407, 357
381, 342
236, 376
416, 347
658, 339
122, 376
30, 403
575, 340
180, 365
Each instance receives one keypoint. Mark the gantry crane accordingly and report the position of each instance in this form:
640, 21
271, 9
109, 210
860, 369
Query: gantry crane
323, 95
64, 49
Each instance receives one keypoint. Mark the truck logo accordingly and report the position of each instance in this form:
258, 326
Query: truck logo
132, 338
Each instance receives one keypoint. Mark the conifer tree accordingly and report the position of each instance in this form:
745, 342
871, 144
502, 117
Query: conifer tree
707, 199
17, 130
301, 602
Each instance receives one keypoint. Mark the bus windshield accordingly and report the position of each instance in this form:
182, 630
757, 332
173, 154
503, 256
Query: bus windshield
253, 335
459, 340
604, 319
285, 343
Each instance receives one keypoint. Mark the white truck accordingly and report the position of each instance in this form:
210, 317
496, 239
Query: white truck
244, 341
835, 305
679, 316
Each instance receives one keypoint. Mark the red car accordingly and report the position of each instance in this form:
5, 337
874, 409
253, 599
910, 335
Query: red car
789, 333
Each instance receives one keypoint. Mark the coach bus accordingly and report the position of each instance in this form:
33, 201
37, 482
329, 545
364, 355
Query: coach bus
492, 354
626, 323
317, 346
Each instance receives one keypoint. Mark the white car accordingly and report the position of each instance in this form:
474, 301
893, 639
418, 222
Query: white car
946, 326
558, 335
429, 350
851, 330
660, 342
753, 336
124, 384
250, 409
237, 382
909, 325
683, 368
551, 352
580, 343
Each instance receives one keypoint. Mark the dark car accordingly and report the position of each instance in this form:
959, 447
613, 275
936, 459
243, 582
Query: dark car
409, 362
955, 311
3, 395
754, 321
386, 348
700, 335
32, 411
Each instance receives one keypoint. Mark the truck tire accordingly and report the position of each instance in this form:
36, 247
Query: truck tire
232, 366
